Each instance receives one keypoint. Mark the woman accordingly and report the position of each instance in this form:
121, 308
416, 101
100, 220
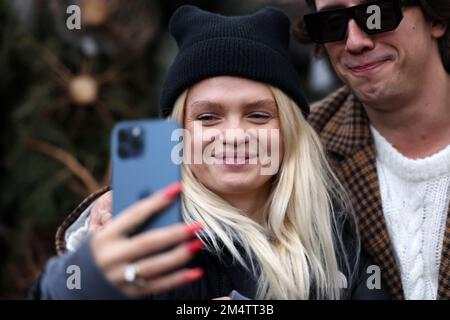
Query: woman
271, 235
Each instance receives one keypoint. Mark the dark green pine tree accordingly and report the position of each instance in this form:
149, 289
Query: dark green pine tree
62, 91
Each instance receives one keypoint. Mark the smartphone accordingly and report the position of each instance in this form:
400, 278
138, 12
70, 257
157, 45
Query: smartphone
143, 163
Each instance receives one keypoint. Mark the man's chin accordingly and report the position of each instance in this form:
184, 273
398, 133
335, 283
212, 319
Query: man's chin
367, 91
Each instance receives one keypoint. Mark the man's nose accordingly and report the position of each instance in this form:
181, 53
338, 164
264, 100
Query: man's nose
357, 40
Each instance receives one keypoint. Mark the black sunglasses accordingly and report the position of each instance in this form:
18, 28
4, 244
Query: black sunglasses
331, 25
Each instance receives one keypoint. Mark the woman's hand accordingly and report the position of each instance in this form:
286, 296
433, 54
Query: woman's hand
116, 253
101, 212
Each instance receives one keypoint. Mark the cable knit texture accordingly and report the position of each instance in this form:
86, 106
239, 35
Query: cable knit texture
415, 196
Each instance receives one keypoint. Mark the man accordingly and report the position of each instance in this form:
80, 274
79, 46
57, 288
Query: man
387, 131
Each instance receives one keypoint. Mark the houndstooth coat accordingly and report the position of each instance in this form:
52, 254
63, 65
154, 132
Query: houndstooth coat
344, 130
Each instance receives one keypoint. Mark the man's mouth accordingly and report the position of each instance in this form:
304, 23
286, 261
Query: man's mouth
366, 67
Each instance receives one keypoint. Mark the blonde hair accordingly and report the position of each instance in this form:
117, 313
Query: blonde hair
294, 250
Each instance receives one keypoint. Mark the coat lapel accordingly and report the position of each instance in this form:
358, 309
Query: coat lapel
444, 270
360, 176
351, 149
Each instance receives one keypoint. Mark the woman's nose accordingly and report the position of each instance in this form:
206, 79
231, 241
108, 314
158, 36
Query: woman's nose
234, 122
235, 132
357, 40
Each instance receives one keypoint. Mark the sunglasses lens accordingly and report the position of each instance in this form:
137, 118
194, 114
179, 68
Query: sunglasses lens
326, 27
383, 16
374, 17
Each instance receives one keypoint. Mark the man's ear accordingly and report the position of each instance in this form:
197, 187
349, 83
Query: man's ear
438, 29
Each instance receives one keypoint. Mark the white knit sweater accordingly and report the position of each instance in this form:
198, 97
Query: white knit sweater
415, 198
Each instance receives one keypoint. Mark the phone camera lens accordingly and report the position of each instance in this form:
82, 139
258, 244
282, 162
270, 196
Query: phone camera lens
130, 142
136, 144
123, 135
123, 152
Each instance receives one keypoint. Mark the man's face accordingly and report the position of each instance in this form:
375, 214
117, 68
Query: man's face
383, 66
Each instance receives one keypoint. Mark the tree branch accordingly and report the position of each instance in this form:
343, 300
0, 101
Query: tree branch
68, 160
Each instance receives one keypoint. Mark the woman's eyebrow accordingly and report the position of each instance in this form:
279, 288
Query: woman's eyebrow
263, 103
203, 104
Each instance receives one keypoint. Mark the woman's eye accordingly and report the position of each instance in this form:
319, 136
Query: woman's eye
260, 116
207, 117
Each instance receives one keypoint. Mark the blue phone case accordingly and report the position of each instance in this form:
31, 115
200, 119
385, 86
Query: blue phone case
142, 164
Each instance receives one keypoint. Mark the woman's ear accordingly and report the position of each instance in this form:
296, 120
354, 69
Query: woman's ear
438, 29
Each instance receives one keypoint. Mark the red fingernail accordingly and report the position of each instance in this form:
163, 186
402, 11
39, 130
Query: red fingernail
172, 191
191, 229
195, 246
194, 274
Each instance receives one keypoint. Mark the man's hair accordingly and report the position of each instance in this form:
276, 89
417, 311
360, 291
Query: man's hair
434, 10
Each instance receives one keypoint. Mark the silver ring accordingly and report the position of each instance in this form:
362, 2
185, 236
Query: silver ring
131, 275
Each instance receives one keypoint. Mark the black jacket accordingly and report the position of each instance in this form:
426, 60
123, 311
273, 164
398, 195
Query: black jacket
222, 275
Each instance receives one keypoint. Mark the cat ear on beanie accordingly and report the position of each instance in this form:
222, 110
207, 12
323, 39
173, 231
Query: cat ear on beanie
251, 46
187, 22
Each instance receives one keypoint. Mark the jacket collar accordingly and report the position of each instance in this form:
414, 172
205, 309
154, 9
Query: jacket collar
343, 126
347, 128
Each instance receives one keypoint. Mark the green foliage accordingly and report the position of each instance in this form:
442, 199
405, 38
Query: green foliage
38, 190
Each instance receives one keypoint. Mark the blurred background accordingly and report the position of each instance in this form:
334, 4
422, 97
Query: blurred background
62, 91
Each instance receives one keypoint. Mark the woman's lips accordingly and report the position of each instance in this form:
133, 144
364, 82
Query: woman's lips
236, 161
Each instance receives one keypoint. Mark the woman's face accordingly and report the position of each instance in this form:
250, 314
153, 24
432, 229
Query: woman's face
234, 123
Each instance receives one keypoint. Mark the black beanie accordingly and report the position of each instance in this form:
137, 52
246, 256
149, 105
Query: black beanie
251, 46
